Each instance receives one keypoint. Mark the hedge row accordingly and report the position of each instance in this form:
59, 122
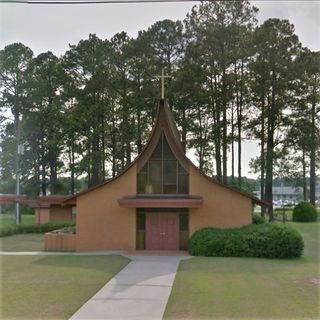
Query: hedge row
262, 240
304, 212
33, 228
257, 219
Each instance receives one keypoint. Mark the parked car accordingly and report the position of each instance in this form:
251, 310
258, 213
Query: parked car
288, 203
277, 204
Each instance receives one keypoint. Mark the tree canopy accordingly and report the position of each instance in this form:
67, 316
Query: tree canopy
85, 115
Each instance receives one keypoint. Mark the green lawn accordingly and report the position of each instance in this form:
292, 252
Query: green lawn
52, 287
278, 213
22, 242
7, 220
242, 288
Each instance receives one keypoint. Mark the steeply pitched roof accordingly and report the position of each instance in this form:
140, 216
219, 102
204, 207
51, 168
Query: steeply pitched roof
165, 123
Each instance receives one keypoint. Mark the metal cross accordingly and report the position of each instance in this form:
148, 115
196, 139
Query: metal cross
162, 77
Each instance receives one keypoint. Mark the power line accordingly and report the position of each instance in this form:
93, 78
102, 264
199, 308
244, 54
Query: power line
92, 2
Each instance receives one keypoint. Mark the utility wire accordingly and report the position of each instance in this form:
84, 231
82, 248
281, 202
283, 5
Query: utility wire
92, 2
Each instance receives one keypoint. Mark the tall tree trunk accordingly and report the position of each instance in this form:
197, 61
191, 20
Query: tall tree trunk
53, 175
139, 131
89, 161
201, 159
262, 178
95, 160
262, 155
71, 160
232, 142
269, 172
17, 165
184, 130
113, 143
139, 134
128, 153
103, 150
37, 175
270, 152
313, 150
43, 170
304, 179
224, 130
239, 118
217, 128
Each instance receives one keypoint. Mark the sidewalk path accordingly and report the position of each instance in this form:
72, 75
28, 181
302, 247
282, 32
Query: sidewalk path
139, 291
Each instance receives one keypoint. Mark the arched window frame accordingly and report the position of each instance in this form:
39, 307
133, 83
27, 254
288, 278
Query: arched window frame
162, 173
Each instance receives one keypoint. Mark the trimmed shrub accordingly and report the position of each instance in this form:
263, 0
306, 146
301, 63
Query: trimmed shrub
263, 240
66, 230
304, 212
34, 228
256, 219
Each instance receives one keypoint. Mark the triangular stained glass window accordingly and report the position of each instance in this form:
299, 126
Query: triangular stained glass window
167, 152
162, 174
157, 153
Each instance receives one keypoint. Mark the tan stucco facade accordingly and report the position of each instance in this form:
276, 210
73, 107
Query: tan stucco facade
55, 213
59, 242
101, 223
58, 213
42, 215
222, 207
104, 224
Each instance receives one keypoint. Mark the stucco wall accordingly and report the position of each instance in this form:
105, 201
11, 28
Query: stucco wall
59, 242
58, 213
101, 223
42, 215
222, 208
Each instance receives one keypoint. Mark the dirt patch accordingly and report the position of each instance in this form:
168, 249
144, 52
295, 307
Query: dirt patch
315, 281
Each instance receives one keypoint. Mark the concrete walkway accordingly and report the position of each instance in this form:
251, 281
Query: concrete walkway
139, 291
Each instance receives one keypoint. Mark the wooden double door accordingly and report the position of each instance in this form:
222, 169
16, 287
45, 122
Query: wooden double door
162, 231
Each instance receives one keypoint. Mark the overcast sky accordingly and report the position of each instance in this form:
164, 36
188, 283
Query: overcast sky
53, 27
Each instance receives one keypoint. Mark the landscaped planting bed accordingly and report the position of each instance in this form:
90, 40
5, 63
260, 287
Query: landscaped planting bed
60, 241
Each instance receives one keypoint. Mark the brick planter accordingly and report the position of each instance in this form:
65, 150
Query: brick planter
59, 241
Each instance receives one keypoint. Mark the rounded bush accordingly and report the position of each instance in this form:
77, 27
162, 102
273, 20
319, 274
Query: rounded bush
256, 219
304, 212
263, 240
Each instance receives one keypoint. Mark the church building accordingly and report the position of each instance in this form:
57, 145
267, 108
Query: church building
159, 201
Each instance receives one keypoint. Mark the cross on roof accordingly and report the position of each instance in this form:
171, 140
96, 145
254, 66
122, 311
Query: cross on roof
162, 77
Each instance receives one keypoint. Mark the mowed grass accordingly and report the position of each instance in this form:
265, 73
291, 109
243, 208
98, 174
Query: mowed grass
22, 242
52, 287
7, 220
288, 213
243, 288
